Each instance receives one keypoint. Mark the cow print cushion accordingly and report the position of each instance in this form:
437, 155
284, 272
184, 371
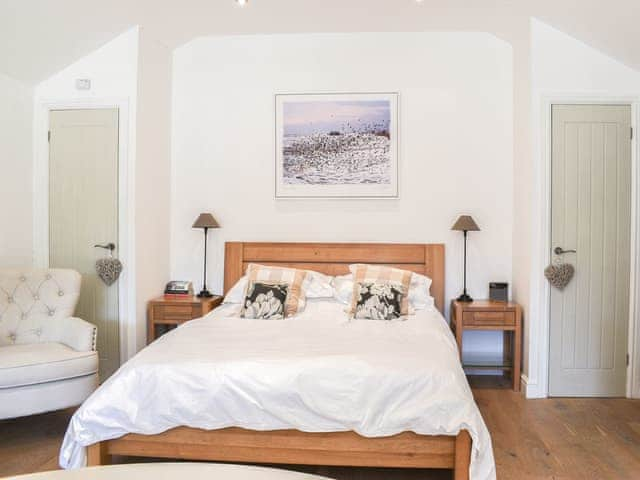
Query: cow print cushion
379, 301
265, 300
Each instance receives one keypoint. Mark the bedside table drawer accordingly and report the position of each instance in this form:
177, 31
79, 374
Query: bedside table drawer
164, 314
178, 313
489, 318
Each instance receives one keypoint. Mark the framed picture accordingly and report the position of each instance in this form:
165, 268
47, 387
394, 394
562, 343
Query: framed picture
337, 145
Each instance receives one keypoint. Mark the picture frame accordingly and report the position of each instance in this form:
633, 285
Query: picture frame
336, 145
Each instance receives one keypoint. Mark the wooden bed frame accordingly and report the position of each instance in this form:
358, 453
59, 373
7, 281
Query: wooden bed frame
406, 449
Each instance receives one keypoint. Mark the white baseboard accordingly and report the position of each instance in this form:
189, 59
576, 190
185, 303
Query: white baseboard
531, 390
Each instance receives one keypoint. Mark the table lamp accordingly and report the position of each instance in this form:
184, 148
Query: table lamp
205, 221
465, 223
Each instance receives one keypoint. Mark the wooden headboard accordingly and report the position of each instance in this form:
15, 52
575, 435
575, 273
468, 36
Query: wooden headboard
334, 259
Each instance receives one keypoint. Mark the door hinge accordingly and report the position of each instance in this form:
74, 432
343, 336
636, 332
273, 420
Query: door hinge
49, 136
631, 133
627, 359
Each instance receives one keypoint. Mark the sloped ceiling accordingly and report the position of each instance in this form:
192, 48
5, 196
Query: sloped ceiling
40, 37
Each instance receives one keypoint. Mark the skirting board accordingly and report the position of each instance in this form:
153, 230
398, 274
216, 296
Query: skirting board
530, 390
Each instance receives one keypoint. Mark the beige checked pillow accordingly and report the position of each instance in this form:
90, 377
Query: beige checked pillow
293, 278
365, 276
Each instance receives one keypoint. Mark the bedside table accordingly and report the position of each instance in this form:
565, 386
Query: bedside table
492, 315
169, 313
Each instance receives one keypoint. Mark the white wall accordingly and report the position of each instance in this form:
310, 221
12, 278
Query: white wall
456, 145
16, 236
522, 174
152, 186
112, 70
561, 66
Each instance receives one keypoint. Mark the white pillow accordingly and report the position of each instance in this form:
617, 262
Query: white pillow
236, 294
343, 288
318, 285
315, 285
419, 296
420, 292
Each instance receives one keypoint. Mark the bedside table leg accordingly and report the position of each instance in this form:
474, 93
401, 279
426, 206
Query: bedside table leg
456, 325
507, 350
151, 328
517, 355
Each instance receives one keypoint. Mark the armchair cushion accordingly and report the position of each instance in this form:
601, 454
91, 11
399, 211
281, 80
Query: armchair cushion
34, 301
31, 364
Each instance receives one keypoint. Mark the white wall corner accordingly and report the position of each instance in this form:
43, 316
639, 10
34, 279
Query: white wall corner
153, 175
16, 118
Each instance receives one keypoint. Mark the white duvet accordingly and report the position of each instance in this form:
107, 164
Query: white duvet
316, 372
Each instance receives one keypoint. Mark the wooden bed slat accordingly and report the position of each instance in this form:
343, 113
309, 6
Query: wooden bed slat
334, 252
406, 450
335, 268
240, 437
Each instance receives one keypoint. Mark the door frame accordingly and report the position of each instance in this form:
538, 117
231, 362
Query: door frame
540, 341
126, 192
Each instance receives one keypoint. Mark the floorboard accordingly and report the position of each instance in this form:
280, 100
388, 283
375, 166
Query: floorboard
557, 438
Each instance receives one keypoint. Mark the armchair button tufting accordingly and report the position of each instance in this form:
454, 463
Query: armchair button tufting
23, 278
51, 312
48, 276
36, 297
10, 299
12, 337
23, 316
60, 293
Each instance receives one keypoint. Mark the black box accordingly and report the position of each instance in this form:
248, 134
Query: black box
499, 291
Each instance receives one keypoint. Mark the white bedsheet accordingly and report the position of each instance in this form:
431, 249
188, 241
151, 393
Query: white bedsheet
316, 372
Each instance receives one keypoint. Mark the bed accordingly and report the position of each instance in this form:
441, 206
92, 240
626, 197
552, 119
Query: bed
249, 422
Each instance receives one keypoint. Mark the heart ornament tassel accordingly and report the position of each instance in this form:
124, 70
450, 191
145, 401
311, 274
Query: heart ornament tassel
559, 275
108, 269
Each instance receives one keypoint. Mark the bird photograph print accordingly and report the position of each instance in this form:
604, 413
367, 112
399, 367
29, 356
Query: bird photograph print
336, 145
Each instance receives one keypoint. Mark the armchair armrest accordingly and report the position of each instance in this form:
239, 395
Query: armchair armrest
78, 334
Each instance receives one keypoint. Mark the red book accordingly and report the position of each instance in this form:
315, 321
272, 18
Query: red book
177, 296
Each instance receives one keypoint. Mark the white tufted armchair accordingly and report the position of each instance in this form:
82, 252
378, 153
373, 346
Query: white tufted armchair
48, 358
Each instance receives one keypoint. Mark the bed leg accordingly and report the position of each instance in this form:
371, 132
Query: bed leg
97, 455
462, 456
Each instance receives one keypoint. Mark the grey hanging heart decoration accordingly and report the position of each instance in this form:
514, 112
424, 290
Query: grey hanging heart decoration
559, 275
108, 269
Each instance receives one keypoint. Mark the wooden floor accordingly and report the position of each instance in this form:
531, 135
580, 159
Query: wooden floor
532, 439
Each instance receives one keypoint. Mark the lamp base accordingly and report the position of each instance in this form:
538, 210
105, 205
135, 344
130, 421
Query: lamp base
204, 293
464, 298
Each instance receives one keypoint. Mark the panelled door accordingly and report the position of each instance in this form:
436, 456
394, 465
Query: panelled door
590, 230
83, 212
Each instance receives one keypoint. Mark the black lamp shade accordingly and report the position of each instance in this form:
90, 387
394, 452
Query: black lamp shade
465, 223
206, 220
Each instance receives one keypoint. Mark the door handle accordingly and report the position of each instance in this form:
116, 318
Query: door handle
109, 246
560, 251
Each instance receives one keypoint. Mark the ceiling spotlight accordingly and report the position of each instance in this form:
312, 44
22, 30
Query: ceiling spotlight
242, 3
